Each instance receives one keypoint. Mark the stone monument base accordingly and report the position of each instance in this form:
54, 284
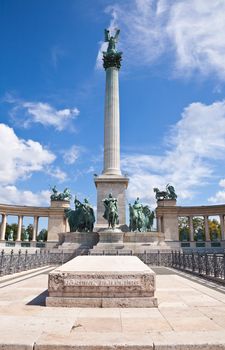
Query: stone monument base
102, 281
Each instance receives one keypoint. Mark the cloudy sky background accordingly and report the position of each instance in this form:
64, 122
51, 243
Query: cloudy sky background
172, 85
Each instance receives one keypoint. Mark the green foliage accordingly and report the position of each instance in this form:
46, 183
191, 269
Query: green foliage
42, 236
214, 229
14, 228
199, 228
183, 227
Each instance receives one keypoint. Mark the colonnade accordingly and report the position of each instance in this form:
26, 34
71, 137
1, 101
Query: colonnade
168, 213
19, 230
206, 224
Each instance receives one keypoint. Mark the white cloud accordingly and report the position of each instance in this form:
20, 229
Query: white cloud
195, 30
219, 196
12, 195
20, 158
26, 113
195, 142
57, 173
222, 183
191, 31
72, 154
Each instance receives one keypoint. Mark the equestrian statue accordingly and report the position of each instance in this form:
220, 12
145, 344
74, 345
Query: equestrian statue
141, 217
82, 218
111, 211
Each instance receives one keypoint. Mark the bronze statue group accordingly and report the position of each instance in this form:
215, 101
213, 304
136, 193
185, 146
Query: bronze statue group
82, 219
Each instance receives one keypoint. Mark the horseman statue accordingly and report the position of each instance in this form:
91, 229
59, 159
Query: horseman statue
168, 194
82, 218
60, 196
111, 211
141, 217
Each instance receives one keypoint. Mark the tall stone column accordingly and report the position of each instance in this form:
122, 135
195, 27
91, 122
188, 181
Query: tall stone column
111, 180
35, 229
3, 227
207, 236
222, 227
19, 230
112, 123
191, 228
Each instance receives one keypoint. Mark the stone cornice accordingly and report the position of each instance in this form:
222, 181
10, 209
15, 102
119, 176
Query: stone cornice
209, 210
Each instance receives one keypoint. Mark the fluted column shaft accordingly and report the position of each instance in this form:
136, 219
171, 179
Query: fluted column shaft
3, 227
191, 228
112, 123
207, 235
35, 229
19, 231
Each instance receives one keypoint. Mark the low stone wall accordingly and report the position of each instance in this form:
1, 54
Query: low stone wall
78, 240
143, 237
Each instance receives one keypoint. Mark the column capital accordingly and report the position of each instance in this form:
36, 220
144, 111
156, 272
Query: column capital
112, 60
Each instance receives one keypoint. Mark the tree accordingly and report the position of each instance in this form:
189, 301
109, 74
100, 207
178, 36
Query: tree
214, 229
199, 228
183, 227
42, 236
10, 227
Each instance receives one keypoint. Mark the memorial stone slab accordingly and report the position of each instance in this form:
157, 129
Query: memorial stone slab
102, 281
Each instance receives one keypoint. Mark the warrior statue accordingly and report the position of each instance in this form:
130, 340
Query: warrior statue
82, 218
168, 194
141, 217
111, 211
60, 196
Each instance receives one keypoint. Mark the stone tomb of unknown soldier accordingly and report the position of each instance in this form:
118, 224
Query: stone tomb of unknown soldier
102, 281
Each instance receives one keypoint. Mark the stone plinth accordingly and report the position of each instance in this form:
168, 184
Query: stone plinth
102, 281
166, 202
109, 239
116, 185
110, 236
57, 222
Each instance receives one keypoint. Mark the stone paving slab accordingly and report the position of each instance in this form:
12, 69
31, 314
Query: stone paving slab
189, 316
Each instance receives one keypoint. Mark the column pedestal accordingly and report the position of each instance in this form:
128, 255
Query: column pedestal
57, 221
116, 185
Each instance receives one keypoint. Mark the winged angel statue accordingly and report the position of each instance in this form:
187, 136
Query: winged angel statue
112, 40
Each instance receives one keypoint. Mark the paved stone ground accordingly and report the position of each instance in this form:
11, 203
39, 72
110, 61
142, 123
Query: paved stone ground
190, 315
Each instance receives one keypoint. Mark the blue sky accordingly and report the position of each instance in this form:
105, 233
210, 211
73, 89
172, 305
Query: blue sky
171, 97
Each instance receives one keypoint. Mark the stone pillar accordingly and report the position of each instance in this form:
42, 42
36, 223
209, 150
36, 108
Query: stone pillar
35, 228
111, 180
112, 123
3, 227
116, 185
191, 228
222, 227
167, 211
159, 224
56, 219
19, 231
207, 236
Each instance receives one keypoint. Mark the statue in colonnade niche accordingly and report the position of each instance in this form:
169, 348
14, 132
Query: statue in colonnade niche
168, 194
111, 211
60, 196
82, 218
141, 217
10, 236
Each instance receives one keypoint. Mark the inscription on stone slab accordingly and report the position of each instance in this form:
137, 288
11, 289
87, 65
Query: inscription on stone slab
102, 283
